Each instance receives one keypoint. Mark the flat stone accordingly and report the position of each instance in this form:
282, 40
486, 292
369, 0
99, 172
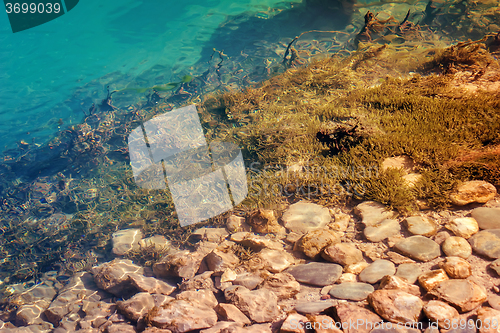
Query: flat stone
203, 298
396, 283
351, 314
396, 306
137, 306
126, 240
441, 313
372, 212
487, 243
316, 273
229, 312
463, 227
183, 316
248, 280
465, 295
420, 225
382, 230
200, 281
223, 326
256, 242
259, 305
114, 276
377, 270
495, 265
456, 268
342, 253
354, 291
494, 301
313, 307
457, 247
488, 316
487, 218
236, 223
314, 241
294, 323
410, 272
184, 264
209, 234
419, 248
473, 191
275, 260
221, 258
303, 216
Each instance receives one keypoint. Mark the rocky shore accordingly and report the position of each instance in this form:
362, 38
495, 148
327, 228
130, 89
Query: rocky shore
312, 269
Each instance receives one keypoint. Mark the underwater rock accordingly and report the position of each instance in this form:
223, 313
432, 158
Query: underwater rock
372, 212
396, 306
302, 217
248, 280
114, 276
456, 268
463, 227
283, 285
314, 241
181, 316
420, 225
377, 270
156, 330
457, 247
150, 284
275, 261
487, 242
256, 242
440, 312
487, 218
121, 328
137, 306
236, 223
202, 297
342, 253
354, 291
465, 295
495, 265
96, 313
429, 280
382, 230
209, 234
182, 264
294, 323
316, 273
126, 240
393, 282
222, 258
488, 316
223, 326
200, 281
229, 312
473, 191
29, 314
419, 248
259, 305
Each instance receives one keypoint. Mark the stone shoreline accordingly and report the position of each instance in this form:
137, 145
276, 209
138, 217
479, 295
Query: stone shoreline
313, 269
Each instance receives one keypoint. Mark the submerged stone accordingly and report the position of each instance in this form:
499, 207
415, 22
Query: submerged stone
419, 248
377, 270
354, 291
303, 216
316, 273
487, 243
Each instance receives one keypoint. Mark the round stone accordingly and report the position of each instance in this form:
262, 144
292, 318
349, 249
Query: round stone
313, 307
410, 272
316, 273
463, 227
457, 247
377, 270
487, 218
487, 242
420, 225
419, 248
354, 291
382, 230
303, 216
473, 191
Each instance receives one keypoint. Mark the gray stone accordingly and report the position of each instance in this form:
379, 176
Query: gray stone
313, 307
494, 301
487, 218
372, 212
229, 312
457, 247
354, 291
380, 231
377, 270
316, 273
248, 280
419, 248
410, 272
126, 240
303, 216
420, 225
487, 242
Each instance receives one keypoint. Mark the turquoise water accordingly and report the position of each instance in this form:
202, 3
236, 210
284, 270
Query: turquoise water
49, 73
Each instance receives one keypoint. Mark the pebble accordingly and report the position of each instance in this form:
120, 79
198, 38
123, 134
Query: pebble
410, 272
396, 306
259, 305
429, 280
419, 248
350, 313
372, 212
282, 284
235, 223
126, 240
342, 253
463, 227
456, 268
494, 302
303, 216
380, 231
377, 270
248, 280
457, 247
487, 242
420, 225
313, 307
294, 323
316, 273
354, 291
473, 191
488, 315
229, 312
487, 218
397, 283
440, 312
313, 242
275, 261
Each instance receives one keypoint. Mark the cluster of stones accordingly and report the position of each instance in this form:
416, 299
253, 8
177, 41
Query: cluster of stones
312, 270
